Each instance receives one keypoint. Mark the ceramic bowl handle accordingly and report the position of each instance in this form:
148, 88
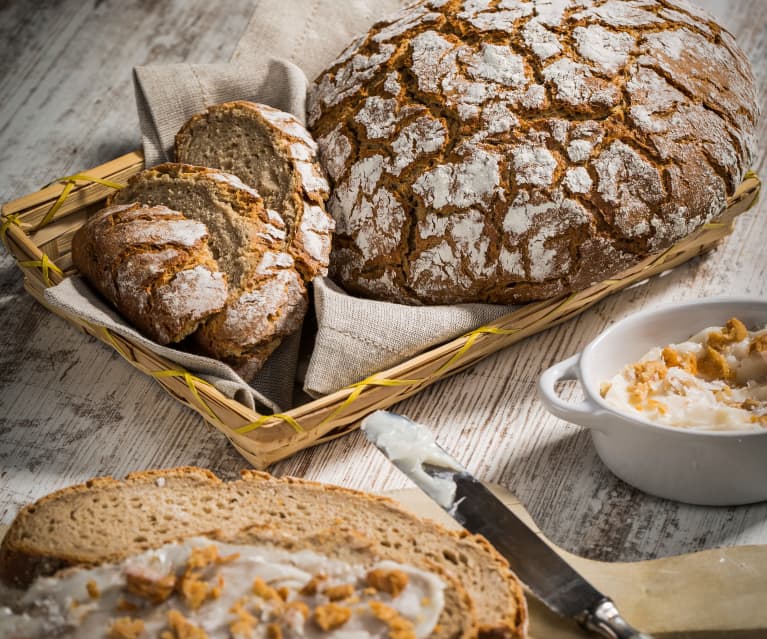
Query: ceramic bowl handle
584, 413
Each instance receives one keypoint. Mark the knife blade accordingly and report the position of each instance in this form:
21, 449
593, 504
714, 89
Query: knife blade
411, 448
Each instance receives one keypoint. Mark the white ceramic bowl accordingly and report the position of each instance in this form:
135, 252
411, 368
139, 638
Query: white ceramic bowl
714, 468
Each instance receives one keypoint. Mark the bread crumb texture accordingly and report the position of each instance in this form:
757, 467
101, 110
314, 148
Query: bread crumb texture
264, 298
271, 151
505, 151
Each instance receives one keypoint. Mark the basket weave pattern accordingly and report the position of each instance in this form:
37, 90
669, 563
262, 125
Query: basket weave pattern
38, 228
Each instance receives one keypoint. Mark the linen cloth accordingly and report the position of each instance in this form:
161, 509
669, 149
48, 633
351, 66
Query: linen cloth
74, 296
284, 44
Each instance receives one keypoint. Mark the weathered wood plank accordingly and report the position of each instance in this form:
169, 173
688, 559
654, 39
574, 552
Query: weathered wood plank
70, 409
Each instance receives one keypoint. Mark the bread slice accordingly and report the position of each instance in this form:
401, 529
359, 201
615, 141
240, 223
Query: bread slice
210, 581
458, 618
267, 298
105, 520
271, 151
154, 265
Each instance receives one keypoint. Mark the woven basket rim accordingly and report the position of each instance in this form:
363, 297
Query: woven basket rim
32, 227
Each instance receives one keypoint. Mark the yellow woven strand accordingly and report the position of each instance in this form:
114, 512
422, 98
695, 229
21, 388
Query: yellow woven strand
562, 304
56, 205
191, 382
11, 218
373, 380
361, 386
71, 181
472, 337
82, 177
114, 343
265, 418
714, 225
45, 264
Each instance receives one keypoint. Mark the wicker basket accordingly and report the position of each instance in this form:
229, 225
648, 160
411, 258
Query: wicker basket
38, 230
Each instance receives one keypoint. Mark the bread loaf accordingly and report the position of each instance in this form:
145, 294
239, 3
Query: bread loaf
267, 298
236, 585
511, 151
106, 520
271, 151
154, 265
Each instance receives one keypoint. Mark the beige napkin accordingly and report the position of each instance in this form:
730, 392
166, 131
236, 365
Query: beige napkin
167, 96
285, 43
357, 337
74, 296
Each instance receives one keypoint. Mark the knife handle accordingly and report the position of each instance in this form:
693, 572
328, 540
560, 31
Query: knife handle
605, 620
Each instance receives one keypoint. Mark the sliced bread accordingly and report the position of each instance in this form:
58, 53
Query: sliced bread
241, 584
271, 151
154, 265
267, 298
105, 520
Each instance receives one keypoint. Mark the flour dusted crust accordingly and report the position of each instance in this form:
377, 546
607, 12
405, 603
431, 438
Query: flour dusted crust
504, 151
280, 163
154, 265
267, 298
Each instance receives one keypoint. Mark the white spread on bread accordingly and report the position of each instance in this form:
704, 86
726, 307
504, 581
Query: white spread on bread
227, 590
411, 445
716, 380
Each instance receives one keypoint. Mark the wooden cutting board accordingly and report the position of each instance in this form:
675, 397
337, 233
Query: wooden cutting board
714, 594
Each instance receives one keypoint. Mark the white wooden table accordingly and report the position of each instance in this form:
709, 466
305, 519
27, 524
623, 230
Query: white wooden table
71, 409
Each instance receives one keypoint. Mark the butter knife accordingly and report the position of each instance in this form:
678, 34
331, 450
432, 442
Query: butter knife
411, 448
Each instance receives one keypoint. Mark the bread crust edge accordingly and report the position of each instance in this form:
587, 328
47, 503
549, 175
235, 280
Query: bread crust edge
19, 567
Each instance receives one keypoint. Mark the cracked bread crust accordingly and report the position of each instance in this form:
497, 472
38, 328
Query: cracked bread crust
154, 265
271, 151
267, 298
506, 151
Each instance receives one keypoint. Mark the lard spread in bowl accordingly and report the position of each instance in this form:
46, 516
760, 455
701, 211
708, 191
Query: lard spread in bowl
716, 380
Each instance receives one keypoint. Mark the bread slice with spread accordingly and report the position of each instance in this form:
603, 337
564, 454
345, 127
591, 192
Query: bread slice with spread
105, 521
253, 583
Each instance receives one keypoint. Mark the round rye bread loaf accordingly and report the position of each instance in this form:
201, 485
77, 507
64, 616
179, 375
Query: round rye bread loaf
505, 151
